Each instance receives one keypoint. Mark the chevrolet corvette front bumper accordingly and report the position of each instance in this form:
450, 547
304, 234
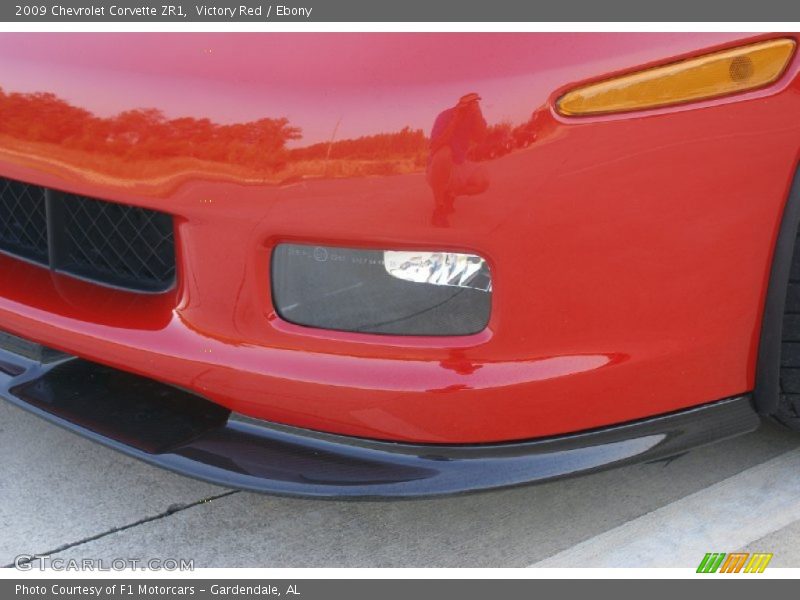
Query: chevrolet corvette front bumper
185, 433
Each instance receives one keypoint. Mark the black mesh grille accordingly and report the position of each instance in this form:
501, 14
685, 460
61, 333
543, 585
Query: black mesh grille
23, 230
112, 244
124, 244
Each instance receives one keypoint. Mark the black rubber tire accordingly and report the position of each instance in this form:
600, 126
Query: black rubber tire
788, 412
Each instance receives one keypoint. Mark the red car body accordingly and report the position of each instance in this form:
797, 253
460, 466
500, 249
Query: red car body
630, 253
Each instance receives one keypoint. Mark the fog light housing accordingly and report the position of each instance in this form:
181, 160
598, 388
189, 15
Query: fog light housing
381, 291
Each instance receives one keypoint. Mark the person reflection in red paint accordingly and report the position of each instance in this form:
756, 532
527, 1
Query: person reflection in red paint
449, 173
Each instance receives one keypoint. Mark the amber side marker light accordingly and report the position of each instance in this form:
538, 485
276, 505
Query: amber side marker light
709, 76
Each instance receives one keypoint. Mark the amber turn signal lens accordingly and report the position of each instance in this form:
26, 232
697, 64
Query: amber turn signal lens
710, 76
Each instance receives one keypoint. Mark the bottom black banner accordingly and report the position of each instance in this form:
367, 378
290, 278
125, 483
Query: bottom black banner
384, 589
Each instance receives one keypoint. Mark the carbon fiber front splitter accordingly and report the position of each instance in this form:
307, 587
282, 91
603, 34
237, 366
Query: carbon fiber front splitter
185, 433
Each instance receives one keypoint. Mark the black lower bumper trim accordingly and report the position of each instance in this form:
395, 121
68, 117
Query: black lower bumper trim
182, 432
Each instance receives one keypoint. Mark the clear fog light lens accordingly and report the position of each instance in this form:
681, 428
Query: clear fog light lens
377, 291
439, 268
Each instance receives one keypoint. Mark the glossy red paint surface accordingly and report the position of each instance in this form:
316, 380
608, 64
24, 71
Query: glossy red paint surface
630, 254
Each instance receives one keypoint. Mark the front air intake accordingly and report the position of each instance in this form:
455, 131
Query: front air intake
110, 244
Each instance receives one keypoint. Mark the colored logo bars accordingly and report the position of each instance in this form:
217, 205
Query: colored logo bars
735, 562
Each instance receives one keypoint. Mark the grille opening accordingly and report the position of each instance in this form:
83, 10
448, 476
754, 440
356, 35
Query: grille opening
116, 245
23, 228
